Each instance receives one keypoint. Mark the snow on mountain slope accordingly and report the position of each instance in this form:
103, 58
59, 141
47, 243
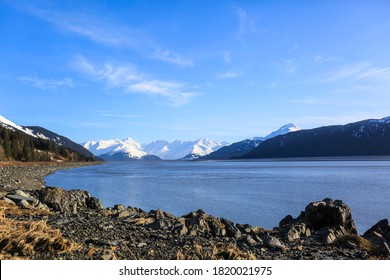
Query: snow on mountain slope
283, 130
12, 126
127, 147
245, 146
102, 146
182, 149
163, 149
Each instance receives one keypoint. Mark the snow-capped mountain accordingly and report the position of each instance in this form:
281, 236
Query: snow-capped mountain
363, 138
281, 131
182, 149
178, 149
117, 149
245, 146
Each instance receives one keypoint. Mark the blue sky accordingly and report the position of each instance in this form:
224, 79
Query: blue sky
225, 70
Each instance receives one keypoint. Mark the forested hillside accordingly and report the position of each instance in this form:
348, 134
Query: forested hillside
16, 145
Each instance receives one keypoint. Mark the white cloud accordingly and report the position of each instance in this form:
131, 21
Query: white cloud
95, 29
245, 22
115, 75
227, 57
358, 71
320, 59
172, 57
129, 79
228, 75
48, 84
174, 92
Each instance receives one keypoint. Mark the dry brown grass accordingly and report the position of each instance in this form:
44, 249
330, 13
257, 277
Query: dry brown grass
222, 252
10, 209
359, 242
29, 237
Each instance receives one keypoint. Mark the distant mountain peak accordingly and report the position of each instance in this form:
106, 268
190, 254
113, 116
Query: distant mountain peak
287, 128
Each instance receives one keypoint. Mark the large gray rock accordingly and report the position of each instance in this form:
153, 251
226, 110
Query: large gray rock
329, 235
379, 234
231, 229
55, 198
273, 242
295, 231
160, 224
329, 214
68, 201
94, 203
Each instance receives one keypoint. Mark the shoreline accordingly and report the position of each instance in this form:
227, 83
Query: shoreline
121, 232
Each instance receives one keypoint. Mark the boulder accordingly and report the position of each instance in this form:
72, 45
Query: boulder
329, 235
274, 243
180, 228
78, 198
24, 204
55, 198
119, 207
379, 234
68, 201
10, 201
381, 227
329, 214
231, 229
159, 224
94, 203
286, 221
295, 231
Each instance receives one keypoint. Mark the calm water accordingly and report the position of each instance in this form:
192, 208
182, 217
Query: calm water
257, 193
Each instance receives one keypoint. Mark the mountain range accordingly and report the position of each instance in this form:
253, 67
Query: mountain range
364, 138
128, 149
240, 148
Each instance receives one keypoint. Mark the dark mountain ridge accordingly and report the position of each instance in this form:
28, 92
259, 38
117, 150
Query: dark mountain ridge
363, 138
60, 140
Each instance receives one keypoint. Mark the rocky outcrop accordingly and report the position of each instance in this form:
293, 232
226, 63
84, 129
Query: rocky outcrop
61, 200
379, 234
24, 200
329, 213
324, 221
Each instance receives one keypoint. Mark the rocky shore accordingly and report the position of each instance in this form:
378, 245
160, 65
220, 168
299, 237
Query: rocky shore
50, 223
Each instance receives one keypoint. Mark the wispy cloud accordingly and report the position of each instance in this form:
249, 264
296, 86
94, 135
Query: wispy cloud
88, 26
172, 57
245, 22
320, 59
290, 66
104, 31
48, 84
124, 116
229, 75
309, 101
358, 71
227, 57
175, 93
129, 79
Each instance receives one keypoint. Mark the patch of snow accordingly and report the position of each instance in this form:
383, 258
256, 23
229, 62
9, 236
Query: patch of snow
10, 125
